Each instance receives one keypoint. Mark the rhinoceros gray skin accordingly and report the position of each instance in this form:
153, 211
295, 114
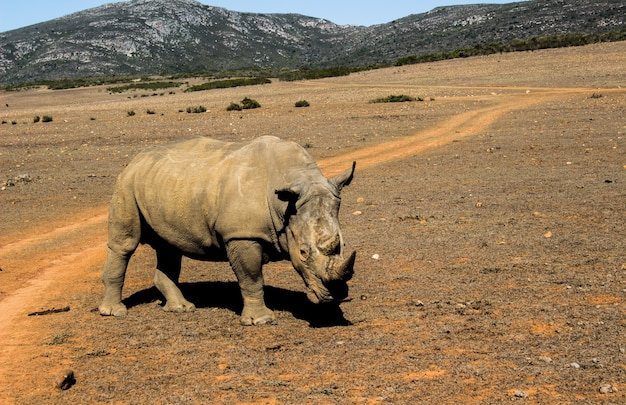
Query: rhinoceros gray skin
248, 203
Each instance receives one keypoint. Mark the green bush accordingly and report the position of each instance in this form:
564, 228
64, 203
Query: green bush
150, 112
196, 110
144, 86
223, 84
249, 104
302, 103
394, 99
233, 107
130, 113
46, 118
246, 104
36, 119
311, 74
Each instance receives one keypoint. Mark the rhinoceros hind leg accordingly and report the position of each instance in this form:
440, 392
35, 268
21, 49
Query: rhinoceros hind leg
113, 279
166, 281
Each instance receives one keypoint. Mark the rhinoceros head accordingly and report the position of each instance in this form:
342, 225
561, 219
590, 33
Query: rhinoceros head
314, 237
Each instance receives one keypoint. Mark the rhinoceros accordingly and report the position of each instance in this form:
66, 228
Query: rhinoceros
248, 203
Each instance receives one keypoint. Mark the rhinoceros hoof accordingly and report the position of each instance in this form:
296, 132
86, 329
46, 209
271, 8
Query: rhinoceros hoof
117, 310
263, 319
179, 307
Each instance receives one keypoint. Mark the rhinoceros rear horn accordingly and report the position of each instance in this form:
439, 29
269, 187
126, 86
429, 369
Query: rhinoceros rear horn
343, 179
344, 270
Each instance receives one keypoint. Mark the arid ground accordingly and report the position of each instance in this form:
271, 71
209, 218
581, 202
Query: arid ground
489, 220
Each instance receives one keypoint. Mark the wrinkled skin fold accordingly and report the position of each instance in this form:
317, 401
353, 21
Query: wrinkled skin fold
248, 203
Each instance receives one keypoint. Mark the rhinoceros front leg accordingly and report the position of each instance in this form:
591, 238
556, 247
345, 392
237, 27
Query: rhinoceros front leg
246, 259
166, 281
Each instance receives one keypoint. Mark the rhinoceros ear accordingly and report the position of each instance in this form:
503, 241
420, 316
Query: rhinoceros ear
290, 193
343, 179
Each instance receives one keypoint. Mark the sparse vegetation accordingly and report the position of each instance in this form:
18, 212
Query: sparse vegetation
223, 84
130, 113
144, 86
233, 107
302, 103
196, 110
36, 119
46, 118
596, 95
517, 45
309, 74
396, 99
58, 339
248, 104
74, 83
150, 112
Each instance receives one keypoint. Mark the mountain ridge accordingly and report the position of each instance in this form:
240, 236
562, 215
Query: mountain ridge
173, 36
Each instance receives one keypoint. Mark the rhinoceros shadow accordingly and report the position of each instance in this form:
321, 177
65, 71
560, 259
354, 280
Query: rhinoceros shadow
220, 294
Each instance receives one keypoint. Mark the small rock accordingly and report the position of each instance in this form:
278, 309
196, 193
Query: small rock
479, 204
607, 389
64, 380
418, 303
375, 256
547, 235
355, 213
360, 200
574, 365
521, 394
545, 359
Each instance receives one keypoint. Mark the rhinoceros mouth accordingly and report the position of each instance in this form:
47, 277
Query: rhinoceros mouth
321, 293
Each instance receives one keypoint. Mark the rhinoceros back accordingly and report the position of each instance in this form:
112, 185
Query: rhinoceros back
198, 194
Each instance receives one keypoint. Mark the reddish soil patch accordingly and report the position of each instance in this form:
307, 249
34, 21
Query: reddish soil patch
496, 209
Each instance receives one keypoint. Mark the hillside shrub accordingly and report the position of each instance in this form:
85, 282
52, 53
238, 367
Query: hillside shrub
233, 107
36, 119
150, 112
395, 99
46, 118
130, 113
144, 86
248, 104
224, 84
302, 103
196, 110
311, 74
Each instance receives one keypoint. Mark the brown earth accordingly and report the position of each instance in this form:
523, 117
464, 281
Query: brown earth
496, 208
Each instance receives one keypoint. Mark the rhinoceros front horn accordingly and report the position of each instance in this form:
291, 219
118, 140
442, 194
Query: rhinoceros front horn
343, 271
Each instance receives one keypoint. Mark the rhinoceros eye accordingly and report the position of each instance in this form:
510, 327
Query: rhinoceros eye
304, 252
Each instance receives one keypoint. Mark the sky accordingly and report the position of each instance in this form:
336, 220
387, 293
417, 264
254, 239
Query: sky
21, 13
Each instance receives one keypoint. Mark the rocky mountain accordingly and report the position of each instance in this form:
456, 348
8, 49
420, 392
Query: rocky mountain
171, 36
